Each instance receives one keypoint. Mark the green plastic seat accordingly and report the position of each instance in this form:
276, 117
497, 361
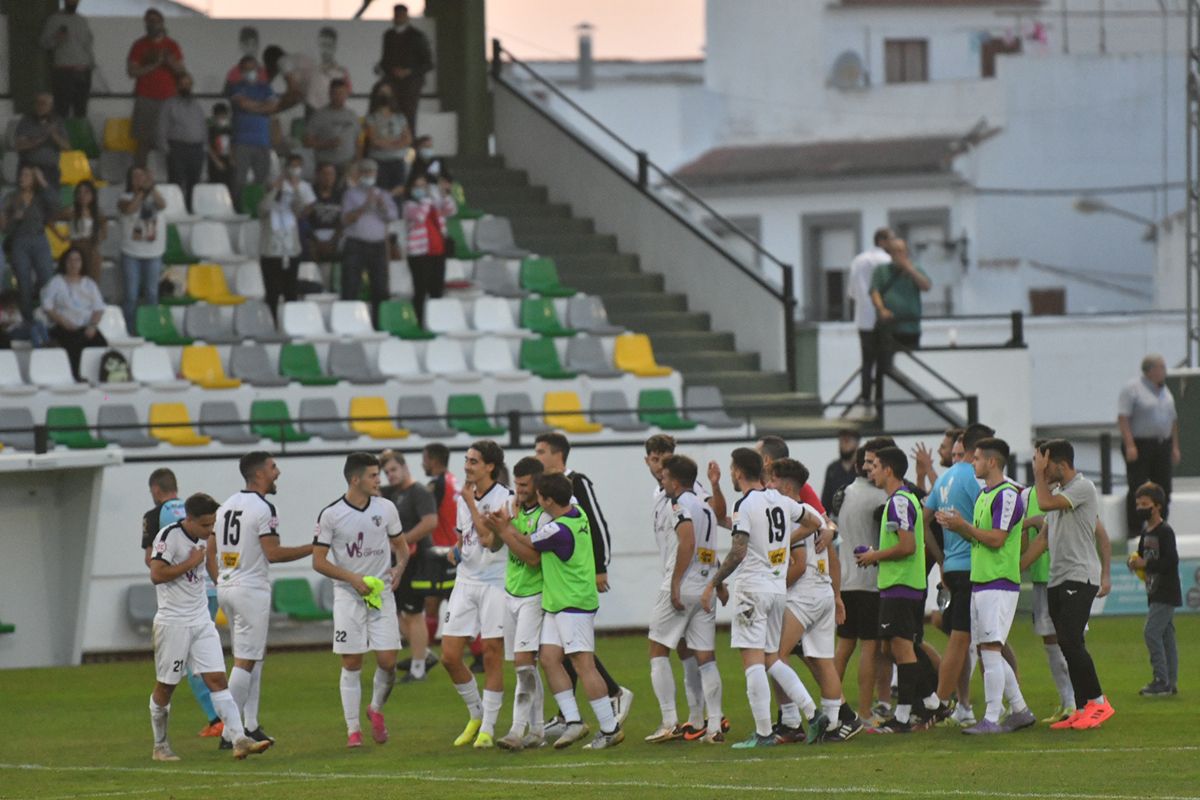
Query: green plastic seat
541, 275
294, 597
539, 315
399, 318
540, 357
460, 199
462, 248
299, 362
82, 137
298, 129
7, 627
154, 323
66, 196
252, 195
71, 417
176, 253
467, 414
270, 420
658, 407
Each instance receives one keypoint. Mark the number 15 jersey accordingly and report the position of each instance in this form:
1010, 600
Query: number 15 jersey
768, 518
241, 520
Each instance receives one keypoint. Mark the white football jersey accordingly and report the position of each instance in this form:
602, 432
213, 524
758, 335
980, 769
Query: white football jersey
768, 518
815, 581
241, 520
183, 601
359, 538
664, 515
690, 508
479, 564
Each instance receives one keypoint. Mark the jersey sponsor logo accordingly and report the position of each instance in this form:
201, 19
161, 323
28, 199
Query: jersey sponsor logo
358, 548
378, 520
160, 547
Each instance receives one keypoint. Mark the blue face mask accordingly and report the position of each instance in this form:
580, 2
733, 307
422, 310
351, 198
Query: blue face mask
426, 153
418, 193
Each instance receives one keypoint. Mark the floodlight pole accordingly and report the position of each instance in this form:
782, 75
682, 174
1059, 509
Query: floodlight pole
1193, 183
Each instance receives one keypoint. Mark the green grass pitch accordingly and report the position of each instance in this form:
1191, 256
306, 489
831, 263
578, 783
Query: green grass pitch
85, 733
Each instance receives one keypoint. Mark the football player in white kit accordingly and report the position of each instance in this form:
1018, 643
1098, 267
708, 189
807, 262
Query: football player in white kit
184, 634
477, 603
356, 535
764, 524
247, 539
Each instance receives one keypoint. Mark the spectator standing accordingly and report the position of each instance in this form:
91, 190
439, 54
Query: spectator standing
88, 227
841, 472
1149, 434
1157, 559
323, 218
26, 213
40, 137
406, 58
253, 102
366, 212
425, 213
73, 303
153, 62
247, 46
220, 146
279, 215
896, 294
862, 270
388, 139
183, 130
433, 167
328, 70
332, 132
143, 241
69, 39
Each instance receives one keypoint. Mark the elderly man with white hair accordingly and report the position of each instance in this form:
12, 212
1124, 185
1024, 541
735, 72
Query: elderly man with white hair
1149, 432
366, 212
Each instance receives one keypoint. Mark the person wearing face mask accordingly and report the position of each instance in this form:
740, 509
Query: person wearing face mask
153, 62
425, 214
366, 212
182, 132
840, 473
406, 58
388, 139
432, 166
279, 213
69, 39
247, 46
253, 104
327, 70
40, 137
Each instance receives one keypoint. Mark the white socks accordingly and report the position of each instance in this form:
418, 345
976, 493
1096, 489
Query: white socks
491, 710
1012, 690
158, 721
381, 686
469, 693
417, 667
793, 687
830, 709
693, 689
227, 710
758, 692
240, 681
567, 706
993, 684
523, 698
250, 706
603, 708
662, 678
710, 681
351, 686
1061, 675
789, 715
537, 708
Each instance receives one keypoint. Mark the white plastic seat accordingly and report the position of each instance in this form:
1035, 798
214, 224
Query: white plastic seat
444, 358
212, 201
445, 315
210, 242
107, 198
11, 384
493, 357
151, 365
49, 369
247, 243
398, 359
301, 319
112, 325
458, 271
248, 281
399, 279
493, 315
176, 210
353, 318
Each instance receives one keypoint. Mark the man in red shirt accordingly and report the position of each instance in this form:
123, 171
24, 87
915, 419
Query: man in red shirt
154, 62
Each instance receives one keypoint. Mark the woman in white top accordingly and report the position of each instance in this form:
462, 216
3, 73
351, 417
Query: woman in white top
143, 241
73, 303
284, 202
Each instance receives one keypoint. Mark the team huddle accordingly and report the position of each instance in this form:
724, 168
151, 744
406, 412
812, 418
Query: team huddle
532, 560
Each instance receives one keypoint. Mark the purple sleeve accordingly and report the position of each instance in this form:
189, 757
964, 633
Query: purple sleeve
899, 511
554, 538
1007, 510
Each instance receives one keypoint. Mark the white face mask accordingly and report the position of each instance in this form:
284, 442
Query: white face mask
250, 76
426, 153
366, 181
295, 172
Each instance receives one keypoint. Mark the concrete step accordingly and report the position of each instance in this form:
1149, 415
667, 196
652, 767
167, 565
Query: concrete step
656, 322
572, 264
702, 361
611, 287
740, 381
487, 196
475, 177
780, 403
690, 341
464, 162
792, 426
517, 212
645, 302
540, 226
553, 244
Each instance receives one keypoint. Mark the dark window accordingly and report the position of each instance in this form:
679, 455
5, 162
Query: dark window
906, 60
1048, 302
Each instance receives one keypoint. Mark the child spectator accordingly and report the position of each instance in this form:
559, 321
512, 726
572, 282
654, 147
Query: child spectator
1158, 557
88, 227
425, 214
14, 327
220, 146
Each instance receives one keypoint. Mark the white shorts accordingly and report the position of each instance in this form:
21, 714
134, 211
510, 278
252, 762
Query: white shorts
1042, 624
248, 611
522, 624
179, 648
757, 620
573, 631
992, 612
817, 614
694, 625
358, 628
475, 609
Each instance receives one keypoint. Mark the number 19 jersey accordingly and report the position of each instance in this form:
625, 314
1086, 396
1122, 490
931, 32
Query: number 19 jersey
241, 520
768, 518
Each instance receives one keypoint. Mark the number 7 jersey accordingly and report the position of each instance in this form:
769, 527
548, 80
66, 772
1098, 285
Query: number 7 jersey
768, 518
241, 520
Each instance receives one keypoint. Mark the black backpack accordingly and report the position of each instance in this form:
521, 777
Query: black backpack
114, 368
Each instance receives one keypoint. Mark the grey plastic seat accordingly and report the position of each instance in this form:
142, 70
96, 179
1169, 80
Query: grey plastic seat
612, 410
532, 423
325, 594
221, 420
206, 322
141, 604
587, 313
119, 414
21, 422
422, 405
586, 354
493, 277
710, 407
251, 363
318, 417
253, 320
348, 361
495, 235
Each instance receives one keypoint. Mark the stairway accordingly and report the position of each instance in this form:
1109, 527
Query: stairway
683, 339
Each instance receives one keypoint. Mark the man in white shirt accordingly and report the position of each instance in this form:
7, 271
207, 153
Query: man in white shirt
861, 269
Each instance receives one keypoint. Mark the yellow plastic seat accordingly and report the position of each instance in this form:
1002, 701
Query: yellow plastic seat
74, 167
181, 433
118, 135
58, 236
564, 411
201, 364
206, 282
369, 416
633, 353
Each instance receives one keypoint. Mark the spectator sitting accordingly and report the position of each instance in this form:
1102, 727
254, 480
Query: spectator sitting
406, 58
425, 214
332, 132
25, 214
220, 146
88, 227
366, 212
323, 218
896, 294
253, 103
183, 131
73, 303
69, 39
432, 166
279, 213
388, 139
154, 60
39, 138
143, 241
14, 327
